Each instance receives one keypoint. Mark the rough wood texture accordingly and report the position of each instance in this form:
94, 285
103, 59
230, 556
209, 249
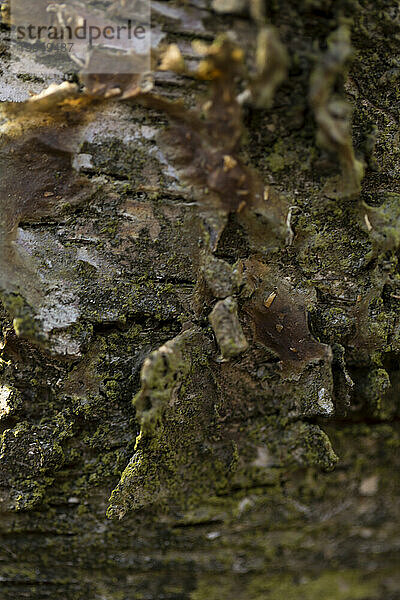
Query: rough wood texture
200, 394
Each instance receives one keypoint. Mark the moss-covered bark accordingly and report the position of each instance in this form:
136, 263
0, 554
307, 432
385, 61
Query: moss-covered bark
200, 361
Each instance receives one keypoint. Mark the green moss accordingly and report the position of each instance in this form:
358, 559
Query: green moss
342, 585
227, 447
23, 316
277, 159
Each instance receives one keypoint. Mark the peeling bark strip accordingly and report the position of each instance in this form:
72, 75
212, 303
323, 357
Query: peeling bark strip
195, 331
332, 114
279, 320
227, 329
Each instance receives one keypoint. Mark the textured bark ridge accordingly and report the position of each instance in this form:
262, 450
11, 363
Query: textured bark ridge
199, 377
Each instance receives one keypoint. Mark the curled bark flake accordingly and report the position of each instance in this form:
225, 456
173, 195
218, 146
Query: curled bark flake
177, 394
39, 137
203, 142
228, 331
272, 62
332, 114
47, 100
278, 318
219, 276
265, 220
161, 375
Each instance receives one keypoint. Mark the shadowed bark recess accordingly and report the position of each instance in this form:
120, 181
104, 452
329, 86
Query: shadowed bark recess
200, 311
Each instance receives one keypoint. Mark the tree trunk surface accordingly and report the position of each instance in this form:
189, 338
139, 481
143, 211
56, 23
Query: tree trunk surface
200, 369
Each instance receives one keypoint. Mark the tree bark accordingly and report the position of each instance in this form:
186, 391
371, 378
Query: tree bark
200, 369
